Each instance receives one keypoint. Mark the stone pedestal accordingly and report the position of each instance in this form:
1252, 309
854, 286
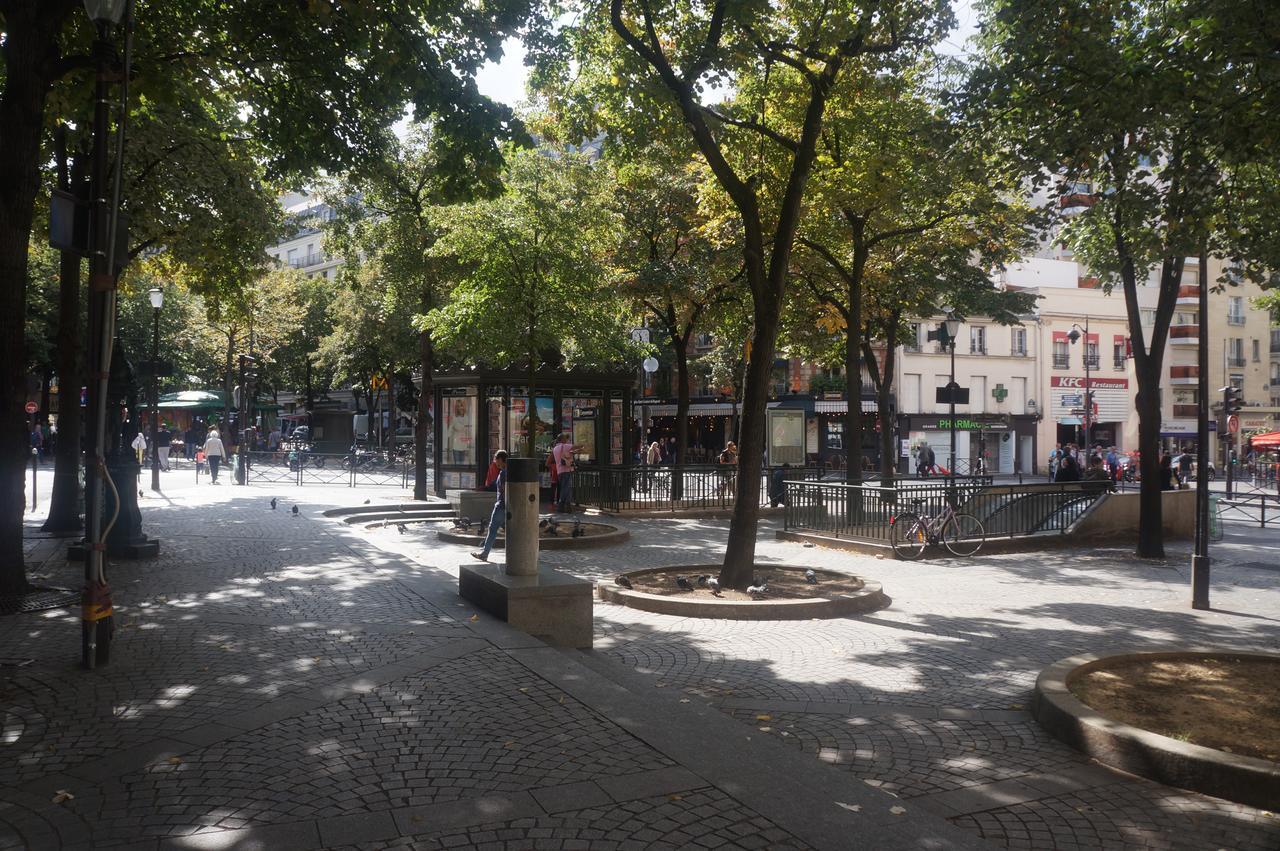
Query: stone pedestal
126, 539
475, 505
552, 606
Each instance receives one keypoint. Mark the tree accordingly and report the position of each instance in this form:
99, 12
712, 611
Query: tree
534, 287
898, 203
389, 212
1159, 161
776, 57
319, 84
673, 267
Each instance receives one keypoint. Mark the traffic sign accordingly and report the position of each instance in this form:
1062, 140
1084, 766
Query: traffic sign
32, 407
1233, 422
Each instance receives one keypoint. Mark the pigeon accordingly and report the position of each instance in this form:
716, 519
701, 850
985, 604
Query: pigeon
141, 494
542, 524
294, 510
366, 502
578, 531
623, 581
702, 580
684, 583
463, 523
553, 528
273, 503
811, 577
758, 590
714, 585
484, 525
400, 526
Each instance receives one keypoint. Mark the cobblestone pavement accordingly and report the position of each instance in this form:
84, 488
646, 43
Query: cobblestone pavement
926, 700
278, 681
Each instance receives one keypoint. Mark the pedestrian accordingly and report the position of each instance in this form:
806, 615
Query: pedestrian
498, 518
563, 453
778, 486
214, 452
139, 444
927, 461
164, 438
37, 443
1168, 476
728, 467
553, 474
1095, 473
189, 443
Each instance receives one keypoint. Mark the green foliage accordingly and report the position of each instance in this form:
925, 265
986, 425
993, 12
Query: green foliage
534, 284
372, 328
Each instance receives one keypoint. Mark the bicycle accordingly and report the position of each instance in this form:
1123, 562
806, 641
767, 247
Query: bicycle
911, 532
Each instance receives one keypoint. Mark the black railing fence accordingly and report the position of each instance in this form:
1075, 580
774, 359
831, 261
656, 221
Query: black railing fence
865, 511
300, 467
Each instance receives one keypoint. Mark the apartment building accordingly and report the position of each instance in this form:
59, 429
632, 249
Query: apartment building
305, 249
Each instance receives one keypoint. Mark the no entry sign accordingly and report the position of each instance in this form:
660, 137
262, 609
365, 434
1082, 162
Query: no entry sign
32, 407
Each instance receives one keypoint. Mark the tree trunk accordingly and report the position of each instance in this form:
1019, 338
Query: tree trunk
682, 415
853, 392
422, 426
30, 53
1150, 501
64, 503
740, 549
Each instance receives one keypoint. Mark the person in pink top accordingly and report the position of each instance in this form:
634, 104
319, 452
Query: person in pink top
563, 455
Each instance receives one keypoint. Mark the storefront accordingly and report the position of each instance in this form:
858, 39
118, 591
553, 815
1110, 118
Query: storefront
832, 447
1001, 444
710, 426
1111, 407
480, 412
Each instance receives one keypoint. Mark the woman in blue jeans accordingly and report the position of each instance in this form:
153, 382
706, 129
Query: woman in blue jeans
499, 517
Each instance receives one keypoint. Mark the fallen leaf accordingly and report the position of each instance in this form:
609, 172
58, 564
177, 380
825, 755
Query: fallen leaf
474, 618
764, 717
1015, 705
416, 819
62, 795
524, 689
675, 797
684, 700
853, 808
510, 745
175, 760
764, 729
897, 811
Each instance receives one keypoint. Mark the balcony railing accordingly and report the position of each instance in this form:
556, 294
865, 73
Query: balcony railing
977, 350
1121, 363
1061, 361
1019, 352
1236, 361
310, 260
1186, 411
1235, 318
1091, 361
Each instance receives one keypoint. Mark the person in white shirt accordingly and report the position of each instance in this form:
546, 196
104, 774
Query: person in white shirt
139, 445
214, 453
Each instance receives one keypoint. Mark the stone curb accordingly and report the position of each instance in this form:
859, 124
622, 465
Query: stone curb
871, 598
608, 539
1242, 779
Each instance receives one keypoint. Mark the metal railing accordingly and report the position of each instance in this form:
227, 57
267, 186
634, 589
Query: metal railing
1250, 508
301, 467
1061, 361
864, 512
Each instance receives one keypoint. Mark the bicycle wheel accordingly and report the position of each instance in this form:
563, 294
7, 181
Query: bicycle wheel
963, 534
908, 536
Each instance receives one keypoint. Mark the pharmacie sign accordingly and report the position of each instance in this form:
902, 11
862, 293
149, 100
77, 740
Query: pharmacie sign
970, 425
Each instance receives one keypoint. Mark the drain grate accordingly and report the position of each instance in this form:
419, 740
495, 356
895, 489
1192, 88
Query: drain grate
38, 600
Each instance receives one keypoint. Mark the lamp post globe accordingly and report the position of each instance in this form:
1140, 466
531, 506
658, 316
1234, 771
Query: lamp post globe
157, 297
105, 12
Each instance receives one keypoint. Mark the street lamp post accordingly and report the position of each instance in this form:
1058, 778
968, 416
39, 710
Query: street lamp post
1087, 407
96, 625
949, 331
157, 301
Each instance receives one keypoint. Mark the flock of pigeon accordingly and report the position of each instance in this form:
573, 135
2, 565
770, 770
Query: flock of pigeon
757, 589
294, 509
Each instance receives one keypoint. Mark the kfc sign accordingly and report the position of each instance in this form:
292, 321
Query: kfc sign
1094, 383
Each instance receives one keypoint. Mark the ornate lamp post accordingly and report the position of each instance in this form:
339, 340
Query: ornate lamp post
1073, 336
951, 328
157, 301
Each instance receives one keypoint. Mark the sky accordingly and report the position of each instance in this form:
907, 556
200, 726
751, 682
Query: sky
504, 81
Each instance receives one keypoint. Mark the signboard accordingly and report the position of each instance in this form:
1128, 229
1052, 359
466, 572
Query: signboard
32, 407
640, 335
1111, 398
1233, 422
945, 394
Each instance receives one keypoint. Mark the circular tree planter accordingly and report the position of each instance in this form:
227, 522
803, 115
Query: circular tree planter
791, 598
1235, 777
593, 535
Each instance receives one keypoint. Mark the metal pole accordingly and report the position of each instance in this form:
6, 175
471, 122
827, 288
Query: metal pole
952, 396
1200, 559
155, 400
35, 463
1088, 395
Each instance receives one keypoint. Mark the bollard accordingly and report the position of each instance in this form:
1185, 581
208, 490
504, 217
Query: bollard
522, 517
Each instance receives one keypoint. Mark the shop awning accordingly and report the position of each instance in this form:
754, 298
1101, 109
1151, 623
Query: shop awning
1269, 440
190, 399
698, 409
823, 406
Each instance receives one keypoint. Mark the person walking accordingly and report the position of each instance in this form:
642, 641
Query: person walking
563, 454
214, 452
139, 445
498, 519
1168, 476
1055, 460
164, 437
1068, 468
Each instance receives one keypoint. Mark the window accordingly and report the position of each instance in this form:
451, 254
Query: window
1235, 310
1181, 318
1061, 354
292, 257
1018, 342
1148, 318
1235, 352
912, 343
1257, 351
1237, 381
978, 340
1120, 353
1275, 340
1091, 355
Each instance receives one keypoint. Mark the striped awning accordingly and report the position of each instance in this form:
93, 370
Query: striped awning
840, 407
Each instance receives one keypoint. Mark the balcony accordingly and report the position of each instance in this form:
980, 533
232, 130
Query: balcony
1184, 335
1018, 353
1186, 411
1061, 361
977, 350
1121, 364
313, 259
1188, 296
1184, 375
1236, 361
1091, 362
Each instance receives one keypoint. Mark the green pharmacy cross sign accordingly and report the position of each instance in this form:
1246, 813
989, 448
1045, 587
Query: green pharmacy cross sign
999, 392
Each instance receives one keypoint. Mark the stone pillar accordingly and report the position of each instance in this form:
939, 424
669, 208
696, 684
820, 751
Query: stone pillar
522, 517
